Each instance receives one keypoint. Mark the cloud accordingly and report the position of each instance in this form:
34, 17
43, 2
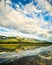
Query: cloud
20, 24
7, 32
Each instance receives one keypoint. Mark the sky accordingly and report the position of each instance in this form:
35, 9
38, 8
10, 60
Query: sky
26, 18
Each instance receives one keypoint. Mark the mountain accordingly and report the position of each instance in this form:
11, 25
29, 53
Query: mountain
21, 40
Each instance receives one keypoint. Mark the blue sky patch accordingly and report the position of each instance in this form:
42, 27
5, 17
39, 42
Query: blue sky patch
24, 2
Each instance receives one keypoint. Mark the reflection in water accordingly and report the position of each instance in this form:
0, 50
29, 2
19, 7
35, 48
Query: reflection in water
28, 57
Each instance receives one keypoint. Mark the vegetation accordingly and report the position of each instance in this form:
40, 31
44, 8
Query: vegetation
4, 39
18, 47
20, 43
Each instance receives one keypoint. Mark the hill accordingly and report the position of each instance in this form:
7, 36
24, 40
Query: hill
4, 39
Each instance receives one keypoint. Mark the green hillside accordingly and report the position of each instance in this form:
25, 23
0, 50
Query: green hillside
20, 43
4, 39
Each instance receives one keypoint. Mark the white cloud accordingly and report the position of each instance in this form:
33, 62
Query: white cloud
17, 22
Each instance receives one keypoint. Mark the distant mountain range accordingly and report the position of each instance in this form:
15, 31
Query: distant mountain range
19, 39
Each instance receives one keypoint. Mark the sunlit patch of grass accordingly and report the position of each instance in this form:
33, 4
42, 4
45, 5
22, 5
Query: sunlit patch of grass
9, 40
